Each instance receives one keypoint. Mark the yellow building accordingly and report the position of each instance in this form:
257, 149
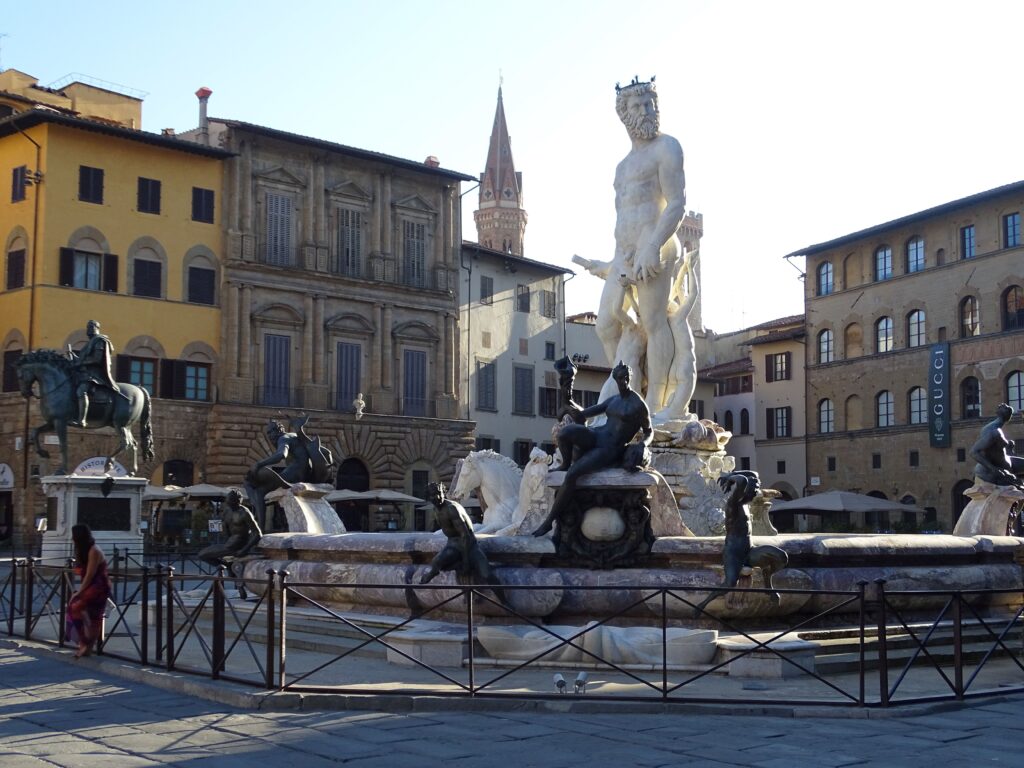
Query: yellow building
108, 222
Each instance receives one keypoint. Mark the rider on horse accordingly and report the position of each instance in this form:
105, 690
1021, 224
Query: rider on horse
92, 367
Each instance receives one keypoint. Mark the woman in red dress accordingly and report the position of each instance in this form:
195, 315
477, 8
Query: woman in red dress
87, 605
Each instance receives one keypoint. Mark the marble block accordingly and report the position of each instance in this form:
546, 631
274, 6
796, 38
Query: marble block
306, 510
993, 510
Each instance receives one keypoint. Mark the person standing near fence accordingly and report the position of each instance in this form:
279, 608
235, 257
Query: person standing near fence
87, 605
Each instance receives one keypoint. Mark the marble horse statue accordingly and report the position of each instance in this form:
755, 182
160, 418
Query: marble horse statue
496, 479
53, 375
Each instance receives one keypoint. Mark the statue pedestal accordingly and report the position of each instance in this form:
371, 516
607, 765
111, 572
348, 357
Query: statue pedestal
994, 510
306, 510
110, 506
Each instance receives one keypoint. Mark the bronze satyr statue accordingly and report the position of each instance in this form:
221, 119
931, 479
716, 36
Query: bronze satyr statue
994, 452
243, 534
462, 553
742, 487
305, 459
609, 445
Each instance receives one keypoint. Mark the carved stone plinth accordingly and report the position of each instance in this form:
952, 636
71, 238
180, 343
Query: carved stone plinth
994, 510
607, 521
692, 474
110, 505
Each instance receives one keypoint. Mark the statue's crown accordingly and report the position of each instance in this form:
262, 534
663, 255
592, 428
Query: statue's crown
635, 82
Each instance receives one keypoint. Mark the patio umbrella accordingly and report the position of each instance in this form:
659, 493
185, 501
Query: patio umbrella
842, 501
387, 496
206, 491
165, 493
344, 494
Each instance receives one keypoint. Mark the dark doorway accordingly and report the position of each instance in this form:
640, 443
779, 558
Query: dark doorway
179, 472
353, 476
6, 515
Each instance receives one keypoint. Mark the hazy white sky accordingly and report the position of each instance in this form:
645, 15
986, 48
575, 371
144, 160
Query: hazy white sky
801, 121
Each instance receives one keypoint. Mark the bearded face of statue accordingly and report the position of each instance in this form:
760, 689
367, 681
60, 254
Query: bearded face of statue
638, 110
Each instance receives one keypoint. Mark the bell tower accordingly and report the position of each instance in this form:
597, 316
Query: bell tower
500, 218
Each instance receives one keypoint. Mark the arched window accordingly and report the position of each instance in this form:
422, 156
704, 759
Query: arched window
825, 346
200, 276
970, 323
824, 273
915, 254
1015, 390
826, 417
917, 405
970, 398
744, 422
15, 270
1013, 308
915, 328
883, 263
728, 421
885, 415
883, 335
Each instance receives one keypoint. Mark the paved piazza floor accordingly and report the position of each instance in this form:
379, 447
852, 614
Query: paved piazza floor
55, 712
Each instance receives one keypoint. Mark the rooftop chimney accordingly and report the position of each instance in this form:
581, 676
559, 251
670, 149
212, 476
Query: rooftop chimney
432, 161
203, 94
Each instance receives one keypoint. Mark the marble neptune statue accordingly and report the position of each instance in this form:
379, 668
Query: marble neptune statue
643, 291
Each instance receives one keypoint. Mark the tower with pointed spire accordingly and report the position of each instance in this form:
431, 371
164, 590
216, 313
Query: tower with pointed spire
500, 218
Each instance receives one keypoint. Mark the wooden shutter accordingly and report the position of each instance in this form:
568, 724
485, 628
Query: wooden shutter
67, 266
414, 384
277, 369
769, 423
350, 359
122, 368
769, 369
16, 269
110, 273
789, 365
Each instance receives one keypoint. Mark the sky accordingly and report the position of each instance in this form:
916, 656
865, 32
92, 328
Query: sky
800, 121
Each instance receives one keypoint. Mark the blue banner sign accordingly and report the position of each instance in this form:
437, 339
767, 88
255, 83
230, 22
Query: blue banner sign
939, 416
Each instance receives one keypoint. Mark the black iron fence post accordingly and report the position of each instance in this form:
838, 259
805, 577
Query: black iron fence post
958, 646
664, 644
169, 619
217, 652
282, 627
883, 656
158, 613
12, 603
271, 618
861, 665
469, 640
30, 596
144, 616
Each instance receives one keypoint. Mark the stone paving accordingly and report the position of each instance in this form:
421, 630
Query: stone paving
56, 712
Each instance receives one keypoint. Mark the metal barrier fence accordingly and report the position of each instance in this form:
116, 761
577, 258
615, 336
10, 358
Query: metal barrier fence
285, 638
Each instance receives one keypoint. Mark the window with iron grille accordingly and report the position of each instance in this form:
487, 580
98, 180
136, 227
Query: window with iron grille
486, 386
830, 463
777, 422
967, 242
278, 229
876, 461
90, 184
523, 390
415, 246
202, 205
970, 398
349, 258
522, 298
16, 268
486, 289
149, 196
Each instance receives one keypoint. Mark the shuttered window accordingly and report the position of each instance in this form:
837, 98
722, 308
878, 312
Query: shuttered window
349, 258
19, 177
486, 386
414, 382
147, 278
10, 376
548, 303
415, 262
202, 205
201, 285
523, 391
92, 271
90, 184
16, 269
149, 195
277, 369
350, 374
279, 229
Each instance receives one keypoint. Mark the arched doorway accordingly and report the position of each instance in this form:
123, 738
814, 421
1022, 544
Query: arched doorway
353, 476
960, 501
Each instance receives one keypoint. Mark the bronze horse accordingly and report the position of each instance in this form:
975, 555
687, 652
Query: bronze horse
55, 377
